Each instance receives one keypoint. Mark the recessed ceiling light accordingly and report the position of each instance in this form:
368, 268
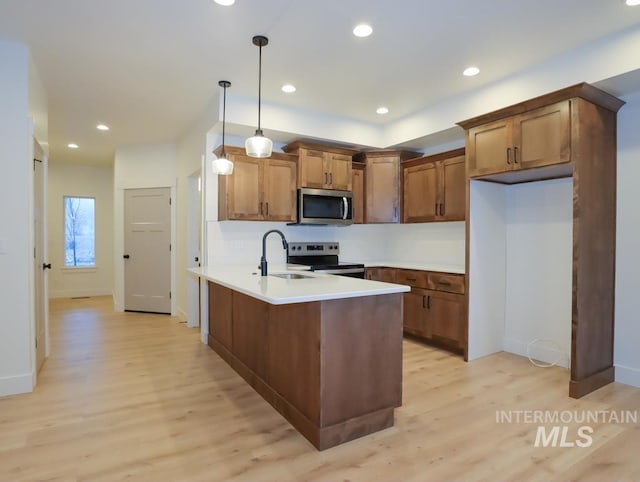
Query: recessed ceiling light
72, 146
362, 30
471, 71
633, 3
288, 88
382, 110
102, 127
225, 3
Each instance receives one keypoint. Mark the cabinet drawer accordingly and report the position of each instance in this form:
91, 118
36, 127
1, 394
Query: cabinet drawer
411, 277
452, 283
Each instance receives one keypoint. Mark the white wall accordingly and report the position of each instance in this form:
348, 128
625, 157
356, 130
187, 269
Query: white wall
189, 152
487, 268
539, 237
140, 167
83, 181
16, 221
627, 332
239, 242
520, 269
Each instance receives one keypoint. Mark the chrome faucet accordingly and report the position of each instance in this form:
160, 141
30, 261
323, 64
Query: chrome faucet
263, 259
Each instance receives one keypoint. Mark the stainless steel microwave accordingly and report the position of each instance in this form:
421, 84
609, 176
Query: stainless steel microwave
325, 206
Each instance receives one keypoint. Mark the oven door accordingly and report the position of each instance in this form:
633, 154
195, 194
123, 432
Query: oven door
325, 206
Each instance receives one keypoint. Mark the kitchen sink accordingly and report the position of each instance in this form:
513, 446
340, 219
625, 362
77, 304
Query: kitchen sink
290, 275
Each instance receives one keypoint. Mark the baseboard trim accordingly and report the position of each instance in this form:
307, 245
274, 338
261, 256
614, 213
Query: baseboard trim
17, 384
628, 375
78, 293
537, 352
580, 388
182, 316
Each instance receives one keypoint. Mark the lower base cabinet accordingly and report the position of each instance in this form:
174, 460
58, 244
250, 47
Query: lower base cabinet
434, 309
332, 368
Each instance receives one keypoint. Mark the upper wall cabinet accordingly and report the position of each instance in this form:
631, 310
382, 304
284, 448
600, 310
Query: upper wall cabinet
538, 138
382, 184
322, 166
433, 188
258, 189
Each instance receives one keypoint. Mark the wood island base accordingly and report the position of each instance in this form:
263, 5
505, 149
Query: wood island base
332, 368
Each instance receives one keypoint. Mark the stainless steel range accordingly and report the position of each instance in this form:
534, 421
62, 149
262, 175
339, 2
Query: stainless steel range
323, 258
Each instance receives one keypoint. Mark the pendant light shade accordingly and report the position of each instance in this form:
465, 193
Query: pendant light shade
259, 145
223, 166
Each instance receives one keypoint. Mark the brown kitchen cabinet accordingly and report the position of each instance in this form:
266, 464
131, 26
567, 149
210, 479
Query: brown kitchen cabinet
416, 318
567, 133
434, 188
258, 189
220, 314
332, 368
537, 138
382, 184
434, 309
388, 275
358, 175
322, 166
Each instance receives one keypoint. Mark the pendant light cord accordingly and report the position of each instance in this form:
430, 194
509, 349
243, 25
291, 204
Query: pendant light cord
259, 87
224, 116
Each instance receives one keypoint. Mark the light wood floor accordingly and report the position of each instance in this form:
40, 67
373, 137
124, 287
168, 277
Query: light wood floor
138, 397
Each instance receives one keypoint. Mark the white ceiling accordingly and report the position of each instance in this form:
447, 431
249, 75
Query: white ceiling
149, 68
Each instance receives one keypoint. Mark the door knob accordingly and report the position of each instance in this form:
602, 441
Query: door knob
126, 256
46, 266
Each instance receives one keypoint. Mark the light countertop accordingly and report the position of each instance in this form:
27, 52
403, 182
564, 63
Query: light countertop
423, 266
278, 291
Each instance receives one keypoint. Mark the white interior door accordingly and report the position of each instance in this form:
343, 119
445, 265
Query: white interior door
147, 244
39, 264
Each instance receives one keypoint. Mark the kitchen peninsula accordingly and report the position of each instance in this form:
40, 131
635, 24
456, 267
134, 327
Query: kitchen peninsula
325, 351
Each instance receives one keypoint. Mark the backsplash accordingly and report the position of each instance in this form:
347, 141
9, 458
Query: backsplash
239, 242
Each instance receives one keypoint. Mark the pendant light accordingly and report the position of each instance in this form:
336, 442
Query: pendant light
259, 145
223, 166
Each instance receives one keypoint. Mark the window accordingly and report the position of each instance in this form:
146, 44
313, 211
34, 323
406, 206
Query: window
79, 232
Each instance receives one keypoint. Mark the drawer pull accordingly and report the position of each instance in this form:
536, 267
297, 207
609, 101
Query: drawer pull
444, 283
411, 279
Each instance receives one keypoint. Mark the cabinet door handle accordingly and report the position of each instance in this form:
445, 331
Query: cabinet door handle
429, 302
441, 209
326, 178
424, 299
267, 209
436, 212
260, 207
331, 179
395, 212
508, 155
515, 155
